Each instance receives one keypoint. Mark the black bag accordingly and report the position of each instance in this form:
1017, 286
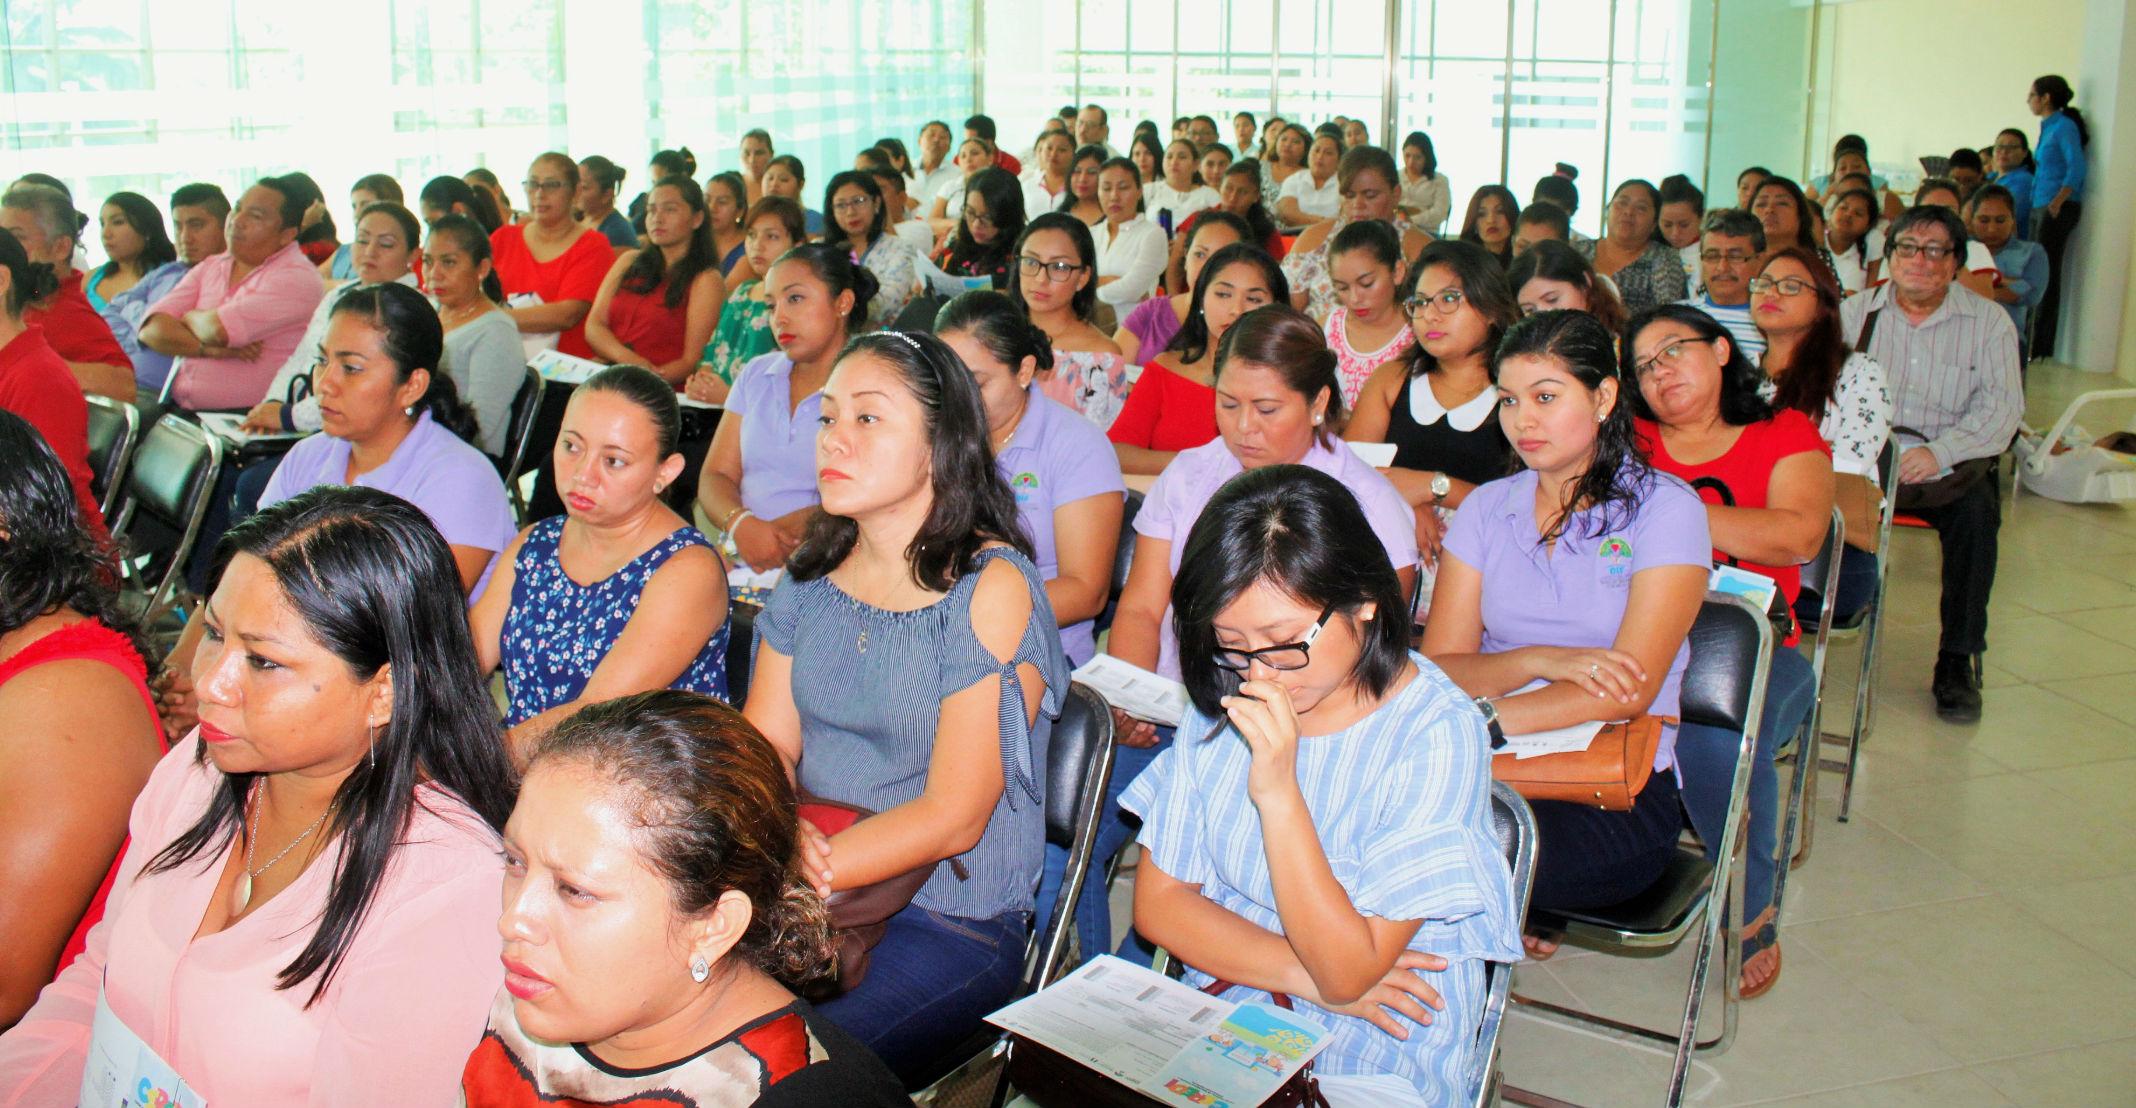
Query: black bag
1921, 496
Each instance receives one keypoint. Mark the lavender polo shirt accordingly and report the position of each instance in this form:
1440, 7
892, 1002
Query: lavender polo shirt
778, 441
1186, 485
1575, 593
1057, 457
453, 483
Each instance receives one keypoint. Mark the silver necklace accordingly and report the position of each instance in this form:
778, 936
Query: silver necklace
244, 883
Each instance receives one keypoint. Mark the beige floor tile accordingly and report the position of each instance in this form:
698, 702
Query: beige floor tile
2102, 1073
2108, 788
2094, 914
2027, 727
1587, 1067
1954, 1088
2041, 648
2114, 694
1980, 977
1862, 866
2007, 831
2115, 624
2059, 588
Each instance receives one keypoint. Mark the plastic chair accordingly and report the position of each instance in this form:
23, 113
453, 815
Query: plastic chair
1820, 582
1514, 823
172, 478
519, 433
1724, 686
1866, 624
114, 428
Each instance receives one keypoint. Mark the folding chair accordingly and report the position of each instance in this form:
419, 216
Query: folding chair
171, 478
1731, 655
1820, 582
1123, 559
519, 432
1078, 768
1514, 822
114, 428
1866, 624
741, 649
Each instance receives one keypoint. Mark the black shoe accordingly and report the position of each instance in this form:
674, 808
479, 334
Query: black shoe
1957, 688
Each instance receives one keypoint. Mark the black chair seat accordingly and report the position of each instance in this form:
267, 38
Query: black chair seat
1665, 908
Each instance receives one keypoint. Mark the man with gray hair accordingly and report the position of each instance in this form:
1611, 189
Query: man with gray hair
43, 220
1730, 244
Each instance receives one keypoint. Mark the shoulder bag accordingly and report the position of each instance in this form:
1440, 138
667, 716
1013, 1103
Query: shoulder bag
860, 916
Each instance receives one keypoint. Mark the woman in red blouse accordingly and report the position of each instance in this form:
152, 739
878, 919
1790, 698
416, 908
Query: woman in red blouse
551, 266
1173, 404
659, 303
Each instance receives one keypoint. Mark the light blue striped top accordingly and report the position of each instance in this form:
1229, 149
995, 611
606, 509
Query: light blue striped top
1402, 803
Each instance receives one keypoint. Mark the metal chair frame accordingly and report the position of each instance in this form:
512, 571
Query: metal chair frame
1806, 742
1515, 822
163, 596
114, 478
526, 411
1046, 953
1868, 626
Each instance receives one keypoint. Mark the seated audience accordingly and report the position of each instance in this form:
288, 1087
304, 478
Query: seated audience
1731, 246
1277, 405
982, 242
326, 839
756, 153
1367, 328
1554, 277
1770, 479
1131, 248
658, 304
368, 190
82, 733
785, 176
1977, 270
1180, 192
1850, 157
664, 164
1284, 157
198, 213
1492, 214
2021, 266
915, 232
1056, 282
550, 266
1148, 156
1172, 407
1361, 756
1784, 211
775, 226
974, 156
1565, 594
1243, 126
1081, 200
1966, 167
1066, 483
1540, 223
1682, 222
1309, 197
1370, 187
2013, 171
483, 355
1238, 194
1216, 159
1646, 269
443, 196
935, 166
1747, 183
595, 198
1559, 191
726, 206
1093, 127
1848, 215
1810, 370
483, 181
1154, 321
44, 222
618, 595
34, 382
952, 767
680, 990
982, 127
1046, 181
1427, 197
758, 486
859, 223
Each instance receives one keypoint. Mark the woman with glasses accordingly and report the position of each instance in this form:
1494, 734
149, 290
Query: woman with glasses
974, 155
551, 267
1370, 188
987, 227
1279, 851
1631, 252
1055, 280
1173, 405
2013, 170
859, 224
1131, 249
1766, 477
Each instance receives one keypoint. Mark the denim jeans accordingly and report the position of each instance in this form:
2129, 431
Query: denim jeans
931, 982
1093, 915
1706, 756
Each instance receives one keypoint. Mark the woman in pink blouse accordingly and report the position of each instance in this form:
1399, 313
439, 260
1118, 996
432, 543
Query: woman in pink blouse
304, 915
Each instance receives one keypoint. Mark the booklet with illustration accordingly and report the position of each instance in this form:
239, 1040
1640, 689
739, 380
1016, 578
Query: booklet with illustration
1754, 587
558, 366
123, 1071
1166, 1039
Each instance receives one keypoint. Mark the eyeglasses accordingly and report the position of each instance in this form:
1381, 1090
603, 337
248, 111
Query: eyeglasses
1935, 252
2009, 146
1786, 286
1288, 656
545, 186
1056, 272
1732, 257
977, 220
852, 204
1668, 355
1445, 300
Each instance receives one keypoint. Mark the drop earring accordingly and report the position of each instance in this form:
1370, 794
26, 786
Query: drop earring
700, 969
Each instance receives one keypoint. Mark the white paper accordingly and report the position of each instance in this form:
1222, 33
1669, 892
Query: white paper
1173, 1042
1134, 690
1378, 455
1557, 740
942, 284
561, 367
229, 426
742, 577
122, 1072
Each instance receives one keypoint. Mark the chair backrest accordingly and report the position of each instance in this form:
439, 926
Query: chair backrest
1123, 558
1722, 683
741, 646
1514, 823
919, 314
519, 430
1083, 734
1818, 574
113, 429
172, 479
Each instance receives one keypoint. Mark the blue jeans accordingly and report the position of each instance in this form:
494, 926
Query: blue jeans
1857, 585
1093, 914
931, 982
1705, 757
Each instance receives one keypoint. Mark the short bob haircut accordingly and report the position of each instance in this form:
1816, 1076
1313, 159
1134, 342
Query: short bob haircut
1302, 532
1740, 377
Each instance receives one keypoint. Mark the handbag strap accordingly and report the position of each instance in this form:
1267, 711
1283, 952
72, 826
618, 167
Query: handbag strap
1861, 345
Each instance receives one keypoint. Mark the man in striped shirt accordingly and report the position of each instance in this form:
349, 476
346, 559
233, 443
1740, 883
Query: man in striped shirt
1951, 359
1730, 245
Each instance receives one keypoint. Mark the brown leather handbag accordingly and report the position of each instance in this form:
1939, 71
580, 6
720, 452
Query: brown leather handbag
860, 916
1051, 1079
1607, 775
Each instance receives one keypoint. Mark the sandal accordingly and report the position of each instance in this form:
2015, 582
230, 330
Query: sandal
1530, 941
1758, 941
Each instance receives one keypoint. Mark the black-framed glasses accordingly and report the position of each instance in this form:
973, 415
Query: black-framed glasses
1056, 272
1786, 286
852, 204
1668, 355
976, 220
1732, 257
1287, 656
1445, 300
1933, 251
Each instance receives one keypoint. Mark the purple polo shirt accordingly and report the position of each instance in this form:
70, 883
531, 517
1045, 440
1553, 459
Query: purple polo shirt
1575, 593
778, 440
453, 483
1186, 485
1057, 457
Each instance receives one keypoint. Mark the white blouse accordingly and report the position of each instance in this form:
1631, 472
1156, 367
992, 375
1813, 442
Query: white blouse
1134, 253
1320, 202
1428, 200
1158, 196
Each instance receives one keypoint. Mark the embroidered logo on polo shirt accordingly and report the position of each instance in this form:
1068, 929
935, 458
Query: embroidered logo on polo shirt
1615, 556
1025, 485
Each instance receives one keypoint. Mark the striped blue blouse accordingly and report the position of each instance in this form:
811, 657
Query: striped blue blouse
1402, 803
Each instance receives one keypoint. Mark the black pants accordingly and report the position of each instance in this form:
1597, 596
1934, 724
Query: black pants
1588, 858
2052, 233
1968, 528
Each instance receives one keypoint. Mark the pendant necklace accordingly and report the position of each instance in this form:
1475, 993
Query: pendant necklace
244, 883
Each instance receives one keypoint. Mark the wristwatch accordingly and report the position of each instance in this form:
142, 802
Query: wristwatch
1490, 721
1441, 484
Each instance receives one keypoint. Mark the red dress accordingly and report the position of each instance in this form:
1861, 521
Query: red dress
88, 640
36, 385
1165, 411
575, 274
644, 322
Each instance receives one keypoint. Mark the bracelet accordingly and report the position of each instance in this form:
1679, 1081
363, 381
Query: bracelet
726, 522
736, 521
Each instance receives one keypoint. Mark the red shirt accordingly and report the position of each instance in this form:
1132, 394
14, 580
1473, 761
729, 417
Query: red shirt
1747, 470
1002, 160
36, 385
74, 330
644, 322
575, 274
1165, 411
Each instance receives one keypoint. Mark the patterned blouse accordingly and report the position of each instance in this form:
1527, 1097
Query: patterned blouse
557, 630
1307, 270
1354, 367
1857, 419
744, 332
1093, 383
1654, 277
896, 266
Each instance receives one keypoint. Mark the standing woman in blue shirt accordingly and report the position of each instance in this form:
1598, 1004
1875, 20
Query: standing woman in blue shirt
2057, 192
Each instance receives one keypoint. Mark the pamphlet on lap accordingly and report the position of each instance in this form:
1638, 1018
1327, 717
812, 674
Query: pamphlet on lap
1570, 739
564, 368
1754, 587
229, 426
1134, 690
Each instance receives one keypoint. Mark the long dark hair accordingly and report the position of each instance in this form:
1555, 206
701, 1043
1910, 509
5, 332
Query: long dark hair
1506, 200
1806, 383
445, 192
2023, 140
1086, 251
2059, 94
1552, 260
1483, 286
1260, 226
1192, 339
1740, 378
374, 583
1303, 532
1004, 205
972, 505
833, 266
49, 559
833, 233
1805, 237
467, 233
413, 339
650, 267
1588, 351
142, 216
1090, 153
1422, 142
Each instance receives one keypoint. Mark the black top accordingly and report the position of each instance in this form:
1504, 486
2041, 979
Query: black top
1476, 456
